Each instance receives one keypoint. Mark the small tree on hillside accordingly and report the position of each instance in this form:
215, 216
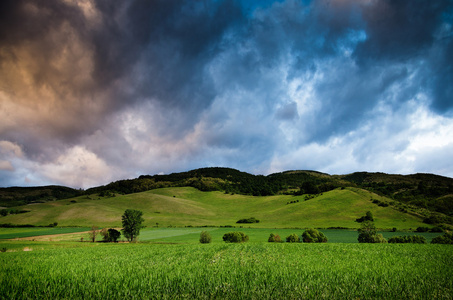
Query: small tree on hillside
132, 223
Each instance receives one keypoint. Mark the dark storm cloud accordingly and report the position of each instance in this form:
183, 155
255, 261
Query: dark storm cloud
149, 86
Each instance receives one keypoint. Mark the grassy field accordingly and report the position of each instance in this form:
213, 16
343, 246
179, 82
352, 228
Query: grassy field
11, 233
226, 271
190, 207
187, 235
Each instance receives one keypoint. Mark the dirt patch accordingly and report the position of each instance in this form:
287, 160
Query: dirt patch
50, 237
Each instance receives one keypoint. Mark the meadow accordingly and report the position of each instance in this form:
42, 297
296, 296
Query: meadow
170, 263
226, 271
187, 206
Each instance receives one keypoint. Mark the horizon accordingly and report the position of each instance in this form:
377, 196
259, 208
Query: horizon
93, 92
132, 178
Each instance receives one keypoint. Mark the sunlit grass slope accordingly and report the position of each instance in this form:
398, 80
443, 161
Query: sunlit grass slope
186, 206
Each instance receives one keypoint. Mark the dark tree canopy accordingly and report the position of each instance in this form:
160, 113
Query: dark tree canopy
132, 223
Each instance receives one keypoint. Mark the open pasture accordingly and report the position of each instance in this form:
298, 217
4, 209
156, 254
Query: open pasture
186, 206
227, 271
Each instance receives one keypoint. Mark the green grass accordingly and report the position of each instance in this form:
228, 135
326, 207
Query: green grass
190, 235
188, 206
227, 271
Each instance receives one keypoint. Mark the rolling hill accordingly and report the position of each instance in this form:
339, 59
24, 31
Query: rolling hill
425, 197
187, 206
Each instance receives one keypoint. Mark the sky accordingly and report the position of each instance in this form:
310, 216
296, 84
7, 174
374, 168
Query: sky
94, 91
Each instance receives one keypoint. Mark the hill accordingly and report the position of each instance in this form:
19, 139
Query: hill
16, 196
426, 195
187, 206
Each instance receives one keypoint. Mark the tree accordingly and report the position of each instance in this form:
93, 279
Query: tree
368, 234
205, 237
313, 236
110, 235
114, 235
93, 233
132, 223
292, 238
274, 238
235, 237
105, 234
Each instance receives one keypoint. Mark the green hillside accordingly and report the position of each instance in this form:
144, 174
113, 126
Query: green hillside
187, 206
427, 191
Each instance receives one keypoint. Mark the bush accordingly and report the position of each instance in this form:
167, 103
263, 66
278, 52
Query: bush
110, 235
413, 239
368, 234
313, 236
422, 229
249, 220
368, 217
292, 238
274, 238
436, 229
205, 237
447, 238
378, 238
235, 237
114, 235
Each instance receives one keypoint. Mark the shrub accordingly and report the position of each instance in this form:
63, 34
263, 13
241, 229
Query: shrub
413, 239
378, 238
422, 229
114, 235
368, 217
368, 234
292, 238
249, 220
235, 237
447, 238
205, 237
436, 229
274, 238
313, 236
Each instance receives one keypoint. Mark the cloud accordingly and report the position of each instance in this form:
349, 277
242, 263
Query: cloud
159, 86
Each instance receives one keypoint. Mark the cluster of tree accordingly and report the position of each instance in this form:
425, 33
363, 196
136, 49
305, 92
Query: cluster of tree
413, 239
4, 212
230, 181
249, 220
9, 225
17, 196
427, 229
235, 237
308, 236
428, 191
132, 224
110, 235
447, 238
